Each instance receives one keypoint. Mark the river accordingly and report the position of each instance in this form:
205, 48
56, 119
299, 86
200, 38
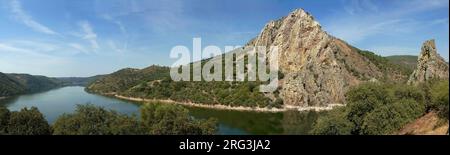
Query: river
55, 102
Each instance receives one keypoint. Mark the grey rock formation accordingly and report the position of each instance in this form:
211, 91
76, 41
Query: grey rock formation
318, 67
430, 65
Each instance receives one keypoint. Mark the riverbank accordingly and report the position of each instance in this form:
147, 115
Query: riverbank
226, 107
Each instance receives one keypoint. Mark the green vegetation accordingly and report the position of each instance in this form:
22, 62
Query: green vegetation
156, 119
9, 87
404, 65
163, 119
23, 122
378, 108
15, 84
437, 96
155, 83
408, 61
78, 81
124, 79
91, 120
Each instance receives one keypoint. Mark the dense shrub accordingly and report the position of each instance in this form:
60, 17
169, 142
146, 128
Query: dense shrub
163, 119
4, 119
91, 120
156, 119
374, 109
28, 122
333, 123
439, 98
389, 118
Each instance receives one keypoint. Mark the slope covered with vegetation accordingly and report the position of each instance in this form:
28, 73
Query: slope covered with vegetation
379, 108
157, 84
408, 61
395, 68
124, 79
15, 84
8, 86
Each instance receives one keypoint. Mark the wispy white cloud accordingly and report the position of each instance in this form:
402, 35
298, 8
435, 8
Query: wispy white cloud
125, 36
363, 18
21, 15
357, 6
114, 47
89, 34
166, 16
7, 48
78, 47
119, 24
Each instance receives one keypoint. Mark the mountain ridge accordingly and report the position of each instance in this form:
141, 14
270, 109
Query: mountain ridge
317, 70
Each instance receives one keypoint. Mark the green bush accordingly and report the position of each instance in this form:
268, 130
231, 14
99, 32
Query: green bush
28, 122
439, 97
91, 120
391, 117
4, 119
333, 123
163, 119
375, 109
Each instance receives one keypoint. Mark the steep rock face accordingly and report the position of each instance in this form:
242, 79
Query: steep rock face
318, 67
429, 65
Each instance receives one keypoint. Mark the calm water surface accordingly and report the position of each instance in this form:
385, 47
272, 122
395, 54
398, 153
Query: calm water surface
55, 102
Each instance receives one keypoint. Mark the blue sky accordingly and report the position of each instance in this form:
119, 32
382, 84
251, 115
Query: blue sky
89, 37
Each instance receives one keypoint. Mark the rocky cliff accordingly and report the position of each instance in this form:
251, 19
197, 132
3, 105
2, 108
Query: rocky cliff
430, 65
318, 67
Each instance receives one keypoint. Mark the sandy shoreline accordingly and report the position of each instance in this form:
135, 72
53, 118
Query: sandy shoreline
225, 107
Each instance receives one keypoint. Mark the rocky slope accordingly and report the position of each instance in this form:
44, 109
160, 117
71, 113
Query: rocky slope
430, 65
318, 67
429, 124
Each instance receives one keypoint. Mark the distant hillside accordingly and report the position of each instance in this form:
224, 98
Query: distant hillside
9, 87
78, 81
124, 79
14, 84
395, 68
407, 61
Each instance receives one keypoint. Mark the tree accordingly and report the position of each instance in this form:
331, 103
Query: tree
390, 118
91, 120
4, 119
375, 109
28, 122
165, 119
333, 123
439, 97
363, 99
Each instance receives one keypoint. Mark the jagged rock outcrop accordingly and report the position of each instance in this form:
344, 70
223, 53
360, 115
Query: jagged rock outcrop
430, 65
318, 67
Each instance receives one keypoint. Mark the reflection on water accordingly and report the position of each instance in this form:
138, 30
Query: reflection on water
290, 122
55, 102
